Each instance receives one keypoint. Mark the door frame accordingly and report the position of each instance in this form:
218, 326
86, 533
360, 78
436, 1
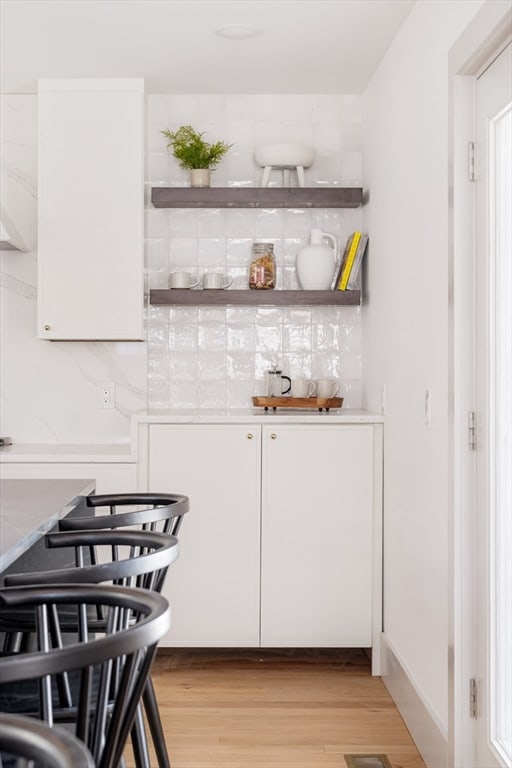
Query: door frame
482, 40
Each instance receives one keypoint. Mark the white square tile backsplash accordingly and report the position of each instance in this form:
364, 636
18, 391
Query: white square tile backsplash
216, 358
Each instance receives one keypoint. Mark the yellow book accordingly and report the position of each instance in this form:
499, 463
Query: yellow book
352, 284
348, 260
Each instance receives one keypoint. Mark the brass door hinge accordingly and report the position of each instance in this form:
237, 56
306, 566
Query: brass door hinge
471, 431
473, 698
471, 161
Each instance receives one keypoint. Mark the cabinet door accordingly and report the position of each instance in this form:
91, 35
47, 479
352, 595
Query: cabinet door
317, 507
213, 587
91, 209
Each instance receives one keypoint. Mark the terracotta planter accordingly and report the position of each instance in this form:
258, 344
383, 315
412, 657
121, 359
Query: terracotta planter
200, 177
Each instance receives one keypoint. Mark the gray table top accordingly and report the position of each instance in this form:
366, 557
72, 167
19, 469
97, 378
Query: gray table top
30, 508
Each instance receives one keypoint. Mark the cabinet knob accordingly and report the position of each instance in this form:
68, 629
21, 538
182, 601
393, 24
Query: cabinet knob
273, 436
47, 327
249, 435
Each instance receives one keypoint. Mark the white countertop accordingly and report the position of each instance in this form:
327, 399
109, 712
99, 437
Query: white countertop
30, 508
53, 452
260, 416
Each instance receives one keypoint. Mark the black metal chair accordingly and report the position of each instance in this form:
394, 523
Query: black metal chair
162, 512
130, 558
109, 671
23, 739
137, 558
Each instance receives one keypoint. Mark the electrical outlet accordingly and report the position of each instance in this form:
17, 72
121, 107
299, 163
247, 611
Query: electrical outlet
383, 394
106, 394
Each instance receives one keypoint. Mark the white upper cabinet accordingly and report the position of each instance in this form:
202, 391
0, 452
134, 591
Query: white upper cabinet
91, 209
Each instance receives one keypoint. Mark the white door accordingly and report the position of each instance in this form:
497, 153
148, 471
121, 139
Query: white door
494, 414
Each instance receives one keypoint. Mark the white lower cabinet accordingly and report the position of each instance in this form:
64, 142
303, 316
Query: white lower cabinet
213, 587
316, 536
282, 543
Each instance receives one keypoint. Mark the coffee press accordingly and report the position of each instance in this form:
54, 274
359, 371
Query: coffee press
276, 381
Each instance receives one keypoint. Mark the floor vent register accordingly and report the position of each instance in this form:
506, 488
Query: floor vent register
367, 761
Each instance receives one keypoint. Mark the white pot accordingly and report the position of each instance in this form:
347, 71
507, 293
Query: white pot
316, 263
284, 155
199, 177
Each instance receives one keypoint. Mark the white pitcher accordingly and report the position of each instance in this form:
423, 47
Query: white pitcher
316, 262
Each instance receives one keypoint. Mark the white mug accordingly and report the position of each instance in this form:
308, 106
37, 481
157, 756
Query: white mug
327, 387
213, 280
303, 387
182, 280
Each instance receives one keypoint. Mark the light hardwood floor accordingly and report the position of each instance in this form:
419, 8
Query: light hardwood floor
276, 709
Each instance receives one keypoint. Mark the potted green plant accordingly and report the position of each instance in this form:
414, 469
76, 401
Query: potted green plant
194, 153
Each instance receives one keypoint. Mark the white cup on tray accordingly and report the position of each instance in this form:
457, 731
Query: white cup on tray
303, 388
327, 388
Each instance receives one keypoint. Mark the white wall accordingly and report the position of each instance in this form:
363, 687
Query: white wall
405, 331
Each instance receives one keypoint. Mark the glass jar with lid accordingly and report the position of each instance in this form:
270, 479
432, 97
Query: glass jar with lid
262, 269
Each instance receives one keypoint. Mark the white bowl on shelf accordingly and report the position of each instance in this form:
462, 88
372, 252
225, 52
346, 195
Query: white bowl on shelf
284, 155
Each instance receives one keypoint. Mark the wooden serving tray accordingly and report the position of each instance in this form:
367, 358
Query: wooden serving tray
297, 402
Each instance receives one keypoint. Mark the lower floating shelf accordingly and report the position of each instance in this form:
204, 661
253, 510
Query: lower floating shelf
248, 297
322, 403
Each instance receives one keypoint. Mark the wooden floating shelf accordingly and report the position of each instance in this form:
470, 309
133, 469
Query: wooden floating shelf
248, 297
257, 197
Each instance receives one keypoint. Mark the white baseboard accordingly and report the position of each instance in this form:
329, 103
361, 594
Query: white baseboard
430, 740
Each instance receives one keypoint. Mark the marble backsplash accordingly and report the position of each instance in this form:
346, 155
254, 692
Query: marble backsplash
193, 357
49, 389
